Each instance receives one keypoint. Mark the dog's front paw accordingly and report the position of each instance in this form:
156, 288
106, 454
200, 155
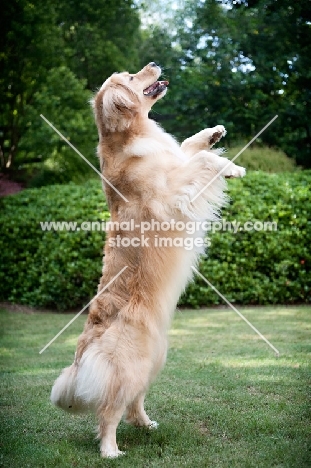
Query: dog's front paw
234, 171
218, 132
220, 129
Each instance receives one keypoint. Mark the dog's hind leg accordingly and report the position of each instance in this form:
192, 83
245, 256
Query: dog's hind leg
109, 418
203, 140
136, 414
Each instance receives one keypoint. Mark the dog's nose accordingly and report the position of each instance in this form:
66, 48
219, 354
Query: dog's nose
153, 64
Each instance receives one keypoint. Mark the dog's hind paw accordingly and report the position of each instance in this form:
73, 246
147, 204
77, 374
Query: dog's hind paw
111, 453
153, 425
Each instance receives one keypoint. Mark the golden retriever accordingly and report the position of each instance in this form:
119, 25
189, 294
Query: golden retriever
152, 180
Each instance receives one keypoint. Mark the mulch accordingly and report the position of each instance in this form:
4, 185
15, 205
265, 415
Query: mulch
8, 187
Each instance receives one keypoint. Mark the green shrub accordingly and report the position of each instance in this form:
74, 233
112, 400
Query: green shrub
261, 267
62, 269
262, 158
49, 268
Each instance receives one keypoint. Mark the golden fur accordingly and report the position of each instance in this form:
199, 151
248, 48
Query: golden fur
123, 345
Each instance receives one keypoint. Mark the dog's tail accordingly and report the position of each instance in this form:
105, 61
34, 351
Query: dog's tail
113, 369
63, 392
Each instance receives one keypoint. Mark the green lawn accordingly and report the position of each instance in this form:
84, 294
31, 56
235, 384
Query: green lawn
223, 400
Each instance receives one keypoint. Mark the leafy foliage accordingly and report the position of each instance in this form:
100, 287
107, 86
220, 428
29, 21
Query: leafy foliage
232, 63
62, 269
261, 267
240, 66
262, 158
63, 100
100, 37
51, 268
30, 47
54, 55
277, 39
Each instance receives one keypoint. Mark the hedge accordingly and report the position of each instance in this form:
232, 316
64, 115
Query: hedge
51, 268
262, 158
61, 269
261, 267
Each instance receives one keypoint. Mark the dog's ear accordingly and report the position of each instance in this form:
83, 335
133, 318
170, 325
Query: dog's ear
119, 107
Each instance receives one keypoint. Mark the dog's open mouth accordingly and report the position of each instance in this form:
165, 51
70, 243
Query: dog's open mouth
156, 88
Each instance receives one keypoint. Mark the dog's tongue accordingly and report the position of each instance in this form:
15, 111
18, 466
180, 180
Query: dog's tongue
155, 88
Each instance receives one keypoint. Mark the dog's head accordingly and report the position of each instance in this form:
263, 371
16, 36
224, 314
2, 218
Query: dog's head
124, 96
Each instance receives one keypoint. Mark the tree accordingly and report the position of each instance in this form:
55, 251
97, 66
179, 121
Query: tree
30, 47
240, 63
52, 53
63, 100
100, 36
277, 38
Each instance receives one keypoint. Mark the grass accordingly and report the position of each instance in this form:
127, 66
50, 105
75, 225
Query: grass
263, 158
223, 400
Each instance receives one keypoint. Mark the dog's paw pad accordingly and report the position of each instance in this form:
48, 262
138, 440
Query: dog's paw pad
218, 132
153, 425
220, 129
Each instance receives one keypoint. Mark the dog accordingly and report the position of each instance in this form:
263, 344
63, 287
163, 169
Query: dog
148, 178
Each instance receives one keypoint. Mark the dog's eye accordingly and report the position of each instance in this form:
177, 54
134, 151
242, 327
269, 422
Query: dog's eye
131, 78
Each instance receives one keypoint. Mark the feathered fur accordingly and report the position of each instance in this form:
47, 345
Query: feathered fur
123, 345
